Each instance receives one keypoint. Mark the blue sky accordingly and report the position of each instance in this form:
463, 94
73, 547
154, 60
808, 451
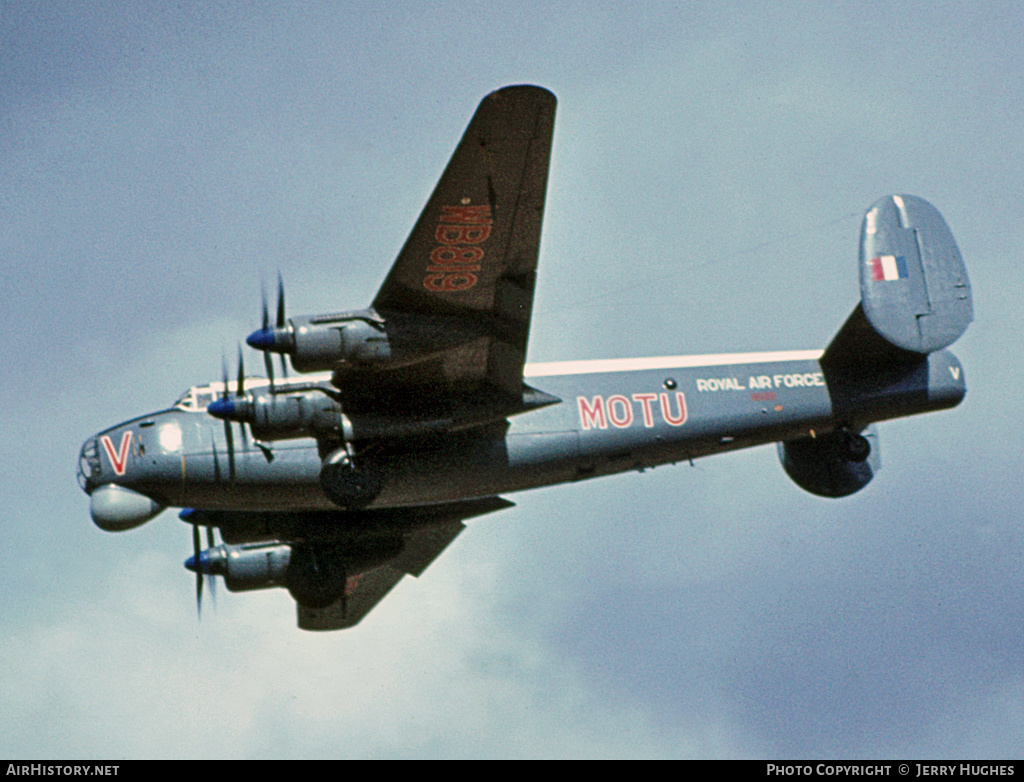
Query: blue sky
710, 167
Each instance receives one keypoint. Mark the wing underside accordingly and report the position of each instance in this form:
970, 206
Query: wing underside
364, 590
427, 532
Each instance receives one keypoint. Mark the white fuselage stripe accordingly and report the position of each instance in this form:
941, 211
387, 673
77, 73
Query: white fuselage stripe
552, 368
558, 368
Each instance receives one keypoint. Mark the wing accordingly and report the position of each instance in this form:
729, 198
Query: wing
470, 262
429, 530
364, 590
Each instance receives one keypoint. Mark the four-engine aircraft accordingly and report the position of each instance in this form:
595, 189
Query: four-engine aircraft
402, 420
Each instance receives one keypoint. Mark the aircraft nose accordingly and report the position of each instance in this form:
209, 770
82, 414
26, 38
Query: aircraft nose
113, 507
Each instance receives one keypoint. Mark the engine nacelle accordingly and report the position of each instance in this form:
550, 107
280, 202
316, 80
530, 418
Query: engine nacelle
283, 415
244, 568
323, 342
835, 464
316, 575
366, 339
306, 414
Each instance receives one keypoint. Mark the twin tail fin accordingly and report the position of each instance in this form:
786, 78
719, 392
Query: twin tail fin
915, 294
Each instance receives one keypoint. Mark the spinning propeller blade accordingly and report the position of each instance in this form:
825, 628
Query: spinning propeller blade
281, 322
280, 302
240, 391
216, 460
228, 434
199, 576
199, 564
267, 337
268, 362
210, 543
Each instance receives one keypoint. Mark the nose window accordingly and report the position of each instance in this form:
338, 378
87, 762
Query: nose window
88, 463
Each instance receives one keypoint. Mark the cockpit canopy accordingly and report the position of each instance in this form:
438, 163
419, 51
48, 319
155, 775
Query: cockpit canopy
196, 399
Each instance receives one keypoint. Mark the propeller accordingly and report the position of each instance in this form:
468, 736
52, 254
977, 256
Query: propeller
240, 392
280, 301
196, 552
225, 408
228, 434
281, 322
235, 407
269, 339
268, 362
197, 564
210, 543
216, 460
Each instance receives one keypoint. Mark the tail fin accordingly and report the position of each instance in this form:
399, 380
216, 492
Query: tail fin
915, 300
915, 295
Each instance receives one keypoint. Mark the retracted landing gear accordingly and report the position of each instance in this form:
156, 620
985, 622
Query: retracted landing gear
348, 484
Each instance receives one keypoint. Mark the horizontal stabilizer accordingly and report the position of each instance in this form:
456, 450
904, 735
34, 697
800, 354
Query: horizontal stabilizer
914, 287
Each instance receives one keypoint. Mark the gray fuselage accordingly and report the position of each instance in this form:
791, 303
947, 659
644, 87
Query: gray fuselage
614, 416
